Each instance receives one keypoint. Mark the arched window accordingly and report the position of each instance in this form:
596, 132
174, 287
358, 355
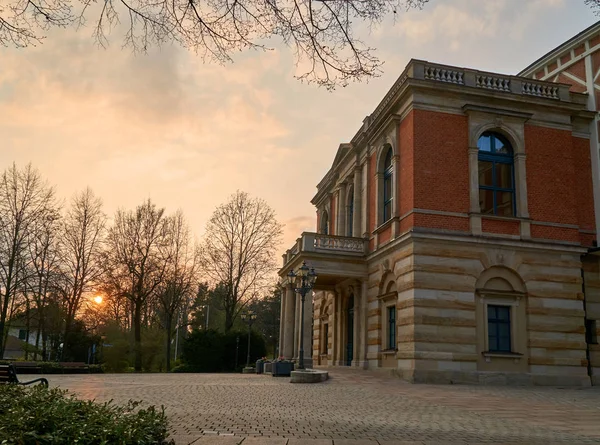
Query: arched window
496, 175
325, 223
350, 215
388, 189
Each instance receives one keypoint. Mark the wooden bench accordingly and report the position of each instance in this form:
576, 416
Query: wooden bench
74, 366
27, 366
9, 375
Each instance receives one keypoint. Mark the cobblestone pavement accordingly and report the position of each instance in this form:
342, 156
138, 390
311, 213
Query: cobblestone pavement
226, 409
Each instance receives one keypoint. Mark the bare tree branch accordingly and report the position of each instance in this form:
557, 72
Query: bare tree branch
320, 32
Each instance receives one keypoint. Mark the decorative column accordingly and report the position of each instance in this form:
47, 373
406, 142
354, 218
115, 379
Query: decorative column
339, 333
356, 327
297, 304
356, 228
341, 211
308, 329
365, 200
290, 319
282, 322
364, 317
522, 210
474, 208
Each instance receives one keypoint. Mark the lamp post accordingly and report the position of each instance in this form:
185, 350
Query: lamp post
248, 317
302, 282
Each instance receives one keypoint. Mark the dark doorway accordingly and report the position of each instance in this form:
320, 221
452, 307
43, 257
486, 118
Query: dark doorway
350, 331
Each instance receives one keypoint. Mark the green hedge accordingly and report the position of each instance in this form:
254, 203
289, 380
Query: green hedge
213, 351
54, 368
40, 416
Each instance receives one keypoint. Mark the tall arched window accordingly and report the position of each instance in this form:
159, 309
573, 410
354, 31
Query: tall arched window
350, 215
388, 189
496, 175
325, 223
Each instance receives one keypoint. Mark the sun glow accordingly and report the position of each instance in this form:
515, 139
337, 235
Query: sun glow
98, 299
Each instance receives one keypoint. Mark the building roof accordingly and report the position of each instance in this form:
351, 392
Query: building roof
561, 49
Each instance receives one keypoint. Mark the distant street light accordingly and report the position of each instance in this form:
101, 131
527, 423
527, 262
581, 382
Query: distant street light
248, 317
302, 282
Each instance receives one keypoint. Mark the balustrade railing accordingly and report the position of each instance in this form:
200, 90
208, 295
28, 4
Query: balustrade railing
444, 75
317, 242
338, 243
493, 83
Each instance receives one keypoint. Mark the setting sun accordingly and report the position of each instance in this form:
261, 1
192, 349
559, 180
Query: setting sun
98, 299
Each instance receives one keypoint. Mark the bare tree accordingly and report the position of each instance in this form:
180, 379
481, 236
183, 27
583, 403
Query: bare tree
25, 198
321, 33
137, 253
239, 248
181, 276
83, 231
44, 270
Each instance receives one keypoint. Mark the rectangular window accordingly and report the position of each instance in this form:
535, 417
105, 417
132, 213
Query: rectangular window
499, 328
387, 196
486, 176
591, 336
325, 338
22, 334
391, 325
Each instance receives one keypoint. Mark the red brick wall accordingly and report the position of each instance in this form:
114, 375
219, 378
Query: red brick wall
499, 226
578, 70
444, 222
580, 50
554, 233
576, 87
550, 175
385, 235
441, 161
584, 187
406, 172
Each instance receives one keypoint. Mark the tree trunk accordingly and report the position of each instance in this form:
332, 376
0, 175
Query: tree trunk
4, 313
228, 320
137, 322
27, 326
169, 337
66, 339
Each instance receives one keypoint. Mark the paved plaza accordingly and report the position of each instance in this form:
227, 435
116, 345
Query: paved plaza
354, 407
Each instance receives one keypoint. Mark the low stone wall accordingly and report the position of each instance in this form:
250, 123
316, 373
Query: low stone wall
309, 376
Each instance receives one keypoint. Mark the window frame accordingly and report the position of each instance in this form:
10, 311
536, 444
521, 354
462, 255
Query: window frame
391, 337
388, 177
494, 158
494, 325
325, 340
324, 223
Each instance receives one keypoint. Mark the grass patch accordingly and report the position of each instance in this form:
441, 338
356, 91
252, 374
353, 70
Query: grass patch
40, 416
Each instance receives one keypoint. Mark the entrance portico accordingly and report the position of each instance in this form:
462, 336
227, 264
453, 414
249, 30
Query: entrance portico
335, 312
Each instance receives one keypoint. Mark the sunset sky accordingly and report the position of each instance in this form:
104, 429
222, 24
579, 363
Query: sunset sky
187, 134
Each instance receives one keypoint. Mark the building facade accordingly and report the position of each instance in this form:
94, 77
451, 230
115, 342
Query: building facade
455, 236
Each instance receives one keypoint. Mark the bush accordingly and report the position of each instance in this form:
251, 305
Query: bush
50, 416
54, 368
212, 351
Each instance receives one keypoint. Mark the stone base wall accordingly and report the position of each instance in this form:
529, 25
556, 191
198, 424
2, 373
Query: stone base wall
492, 378
442, 290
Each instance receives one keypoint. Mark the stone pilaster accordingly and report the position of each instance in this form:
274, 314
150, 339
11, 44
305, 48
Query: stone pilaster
341, 211
289, 327
474, 208
282, 322
356, 228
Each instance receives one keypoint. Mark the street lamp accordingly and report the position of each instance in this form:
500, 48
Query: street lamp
248, 317
302, 282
